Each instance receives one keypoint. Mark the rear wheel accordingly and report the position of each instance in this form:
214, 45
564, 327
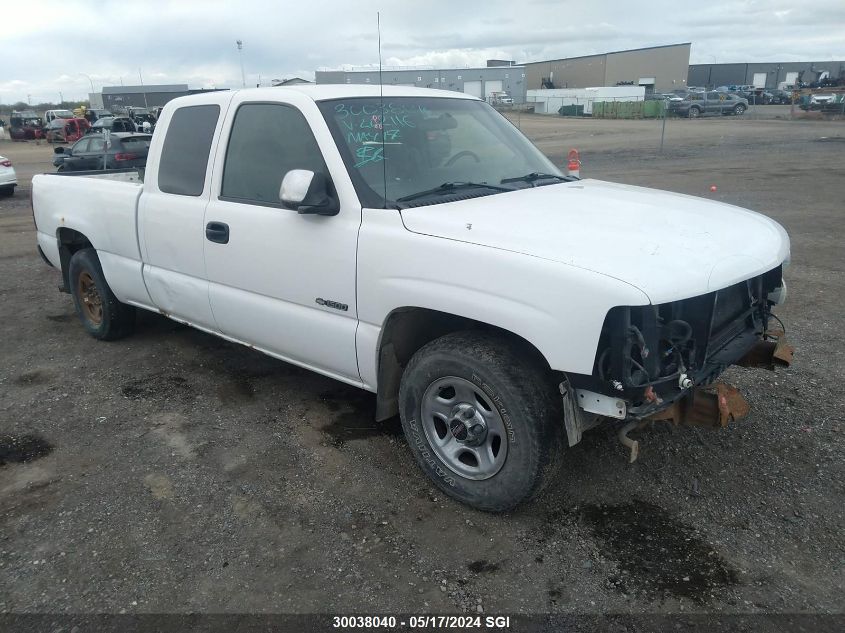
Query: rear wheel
8, 190
102, 315
482, 419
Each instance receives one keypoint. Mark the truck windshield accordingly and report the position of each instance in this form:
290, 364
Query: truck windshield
422, 144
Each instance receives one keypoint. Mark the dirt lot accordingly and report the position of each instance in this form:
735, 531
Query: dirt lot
174, 472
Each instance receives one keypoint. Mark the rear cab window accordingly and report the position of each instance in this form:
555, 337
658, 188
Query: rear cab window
186, 150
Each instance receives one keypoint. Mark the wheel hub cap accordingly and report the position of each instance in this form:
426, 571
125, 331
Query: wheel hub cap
464, 428
467, 425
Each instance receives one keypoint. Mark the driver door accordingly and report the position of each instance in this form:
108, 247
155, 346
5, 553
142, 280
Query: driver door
278, 280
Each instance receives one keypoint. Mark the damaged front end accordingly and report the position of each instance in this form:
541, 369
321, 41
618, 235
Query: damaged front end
661, 362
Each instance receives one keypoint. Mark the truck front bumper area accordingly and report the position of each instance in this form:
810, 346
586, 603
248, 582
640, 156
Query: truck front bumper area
662, 362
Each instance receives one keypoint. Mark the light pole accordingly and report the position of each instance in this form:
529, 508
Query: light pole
241, 58
144, 90
89, 79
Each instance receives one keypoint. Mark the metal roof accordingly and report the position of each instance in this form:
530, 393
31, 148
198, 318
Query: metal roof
629, 50
129, 90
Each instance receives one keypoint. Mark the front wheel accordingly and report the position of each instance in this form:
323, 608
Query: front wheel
739, 109
694, 113
102, 315
482, 419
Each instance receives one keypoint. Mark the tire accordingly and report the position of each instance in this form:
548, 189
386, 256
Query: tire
466, 380
8, 190
739, 109
62, 167
694, 113
103, 316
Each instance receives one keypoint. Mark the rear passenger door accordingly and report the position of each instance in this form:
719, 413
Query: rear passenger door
93, 157
171, 230
281, 281
78, 152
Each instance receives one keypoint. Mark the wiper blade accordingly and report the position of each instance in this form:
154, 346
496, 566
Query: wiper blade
534, 176
449, 187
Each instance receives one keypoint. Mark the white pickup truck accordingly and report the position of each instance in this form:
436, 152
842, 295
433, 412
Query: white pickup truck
415, 244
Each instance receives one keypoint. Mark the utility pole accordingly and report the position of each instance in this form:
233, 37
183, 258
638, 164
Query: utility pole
143, 90
89, 79
241, 58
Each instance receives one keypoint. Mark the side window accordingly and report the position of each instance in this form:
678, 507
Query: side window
97, 145
267, 141
81, 147
184, 156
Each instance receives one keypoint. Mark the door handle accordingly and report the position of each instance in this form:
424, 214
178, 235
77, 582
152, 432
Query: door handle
217, 232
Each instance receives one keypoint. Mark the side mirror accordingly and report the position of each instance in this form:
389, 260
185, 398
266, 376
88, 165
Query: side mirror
59, 150
307, 192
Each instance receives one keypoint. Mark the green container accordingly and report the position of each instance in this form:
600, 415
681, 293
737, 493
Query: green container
571, 110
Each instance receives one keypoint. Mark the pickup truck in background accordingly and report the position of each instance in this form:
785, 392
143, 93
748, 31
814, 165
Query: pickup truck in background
415, 244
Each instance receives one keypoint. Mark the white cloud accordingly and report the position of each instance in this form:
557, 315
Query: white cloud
193, 41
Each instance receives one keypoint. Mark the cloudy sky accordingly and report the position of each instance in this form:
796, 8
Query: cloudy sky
51, 46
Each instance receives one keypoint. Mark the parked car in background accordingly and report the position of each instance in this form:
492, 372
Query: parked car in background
8, 177
66, 130
822, 99
114, 124
697, 104
121, 150
51, 115
758, 96
501, 98
95, 114
25, 125
782, 97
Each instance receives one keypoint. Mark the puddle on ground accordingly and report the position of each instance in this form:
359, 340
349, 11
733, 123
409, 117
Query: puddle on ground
60, 318
36, 377
22, 448
236, 389
156, 388
355, 419
657, 555
482, 567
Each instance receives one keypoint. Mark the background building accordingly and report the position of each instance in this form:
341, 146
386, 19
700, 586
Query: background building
118, 98
479, 82
764, 75
657, 69
153, 96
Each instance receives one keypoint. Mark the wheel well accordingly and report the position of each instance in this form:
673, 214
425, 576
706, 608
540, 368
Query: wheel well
70, 241
406, 330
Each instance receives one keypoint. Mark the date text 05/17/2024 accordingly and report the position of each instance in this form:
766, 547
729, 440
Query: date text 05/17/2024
422, 622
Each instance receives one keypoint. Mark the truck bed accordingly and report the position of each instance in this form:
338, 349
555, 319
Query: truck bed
102, 206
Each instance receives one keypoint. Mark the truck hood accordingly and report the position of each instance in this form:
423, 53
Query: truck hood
670, 246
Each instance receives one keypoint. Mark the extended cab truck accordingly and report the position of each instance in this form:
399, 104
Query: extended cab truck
418, 246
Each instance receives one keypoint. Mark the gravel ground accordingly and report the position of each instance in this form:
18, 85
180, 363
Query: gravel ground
175, 472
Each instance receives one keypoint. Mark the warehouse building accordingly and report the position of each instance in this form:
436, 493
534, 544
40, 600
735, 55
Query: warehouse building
497, 77
764, 75
656, 68
116, 98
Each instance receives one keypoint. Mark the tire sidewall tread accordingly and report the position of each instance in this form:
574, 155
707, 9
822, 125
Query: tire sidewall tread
118, 318
520, 390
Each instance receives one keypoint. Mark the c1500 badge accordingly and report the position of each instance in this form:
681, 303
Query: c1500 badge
332, 304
